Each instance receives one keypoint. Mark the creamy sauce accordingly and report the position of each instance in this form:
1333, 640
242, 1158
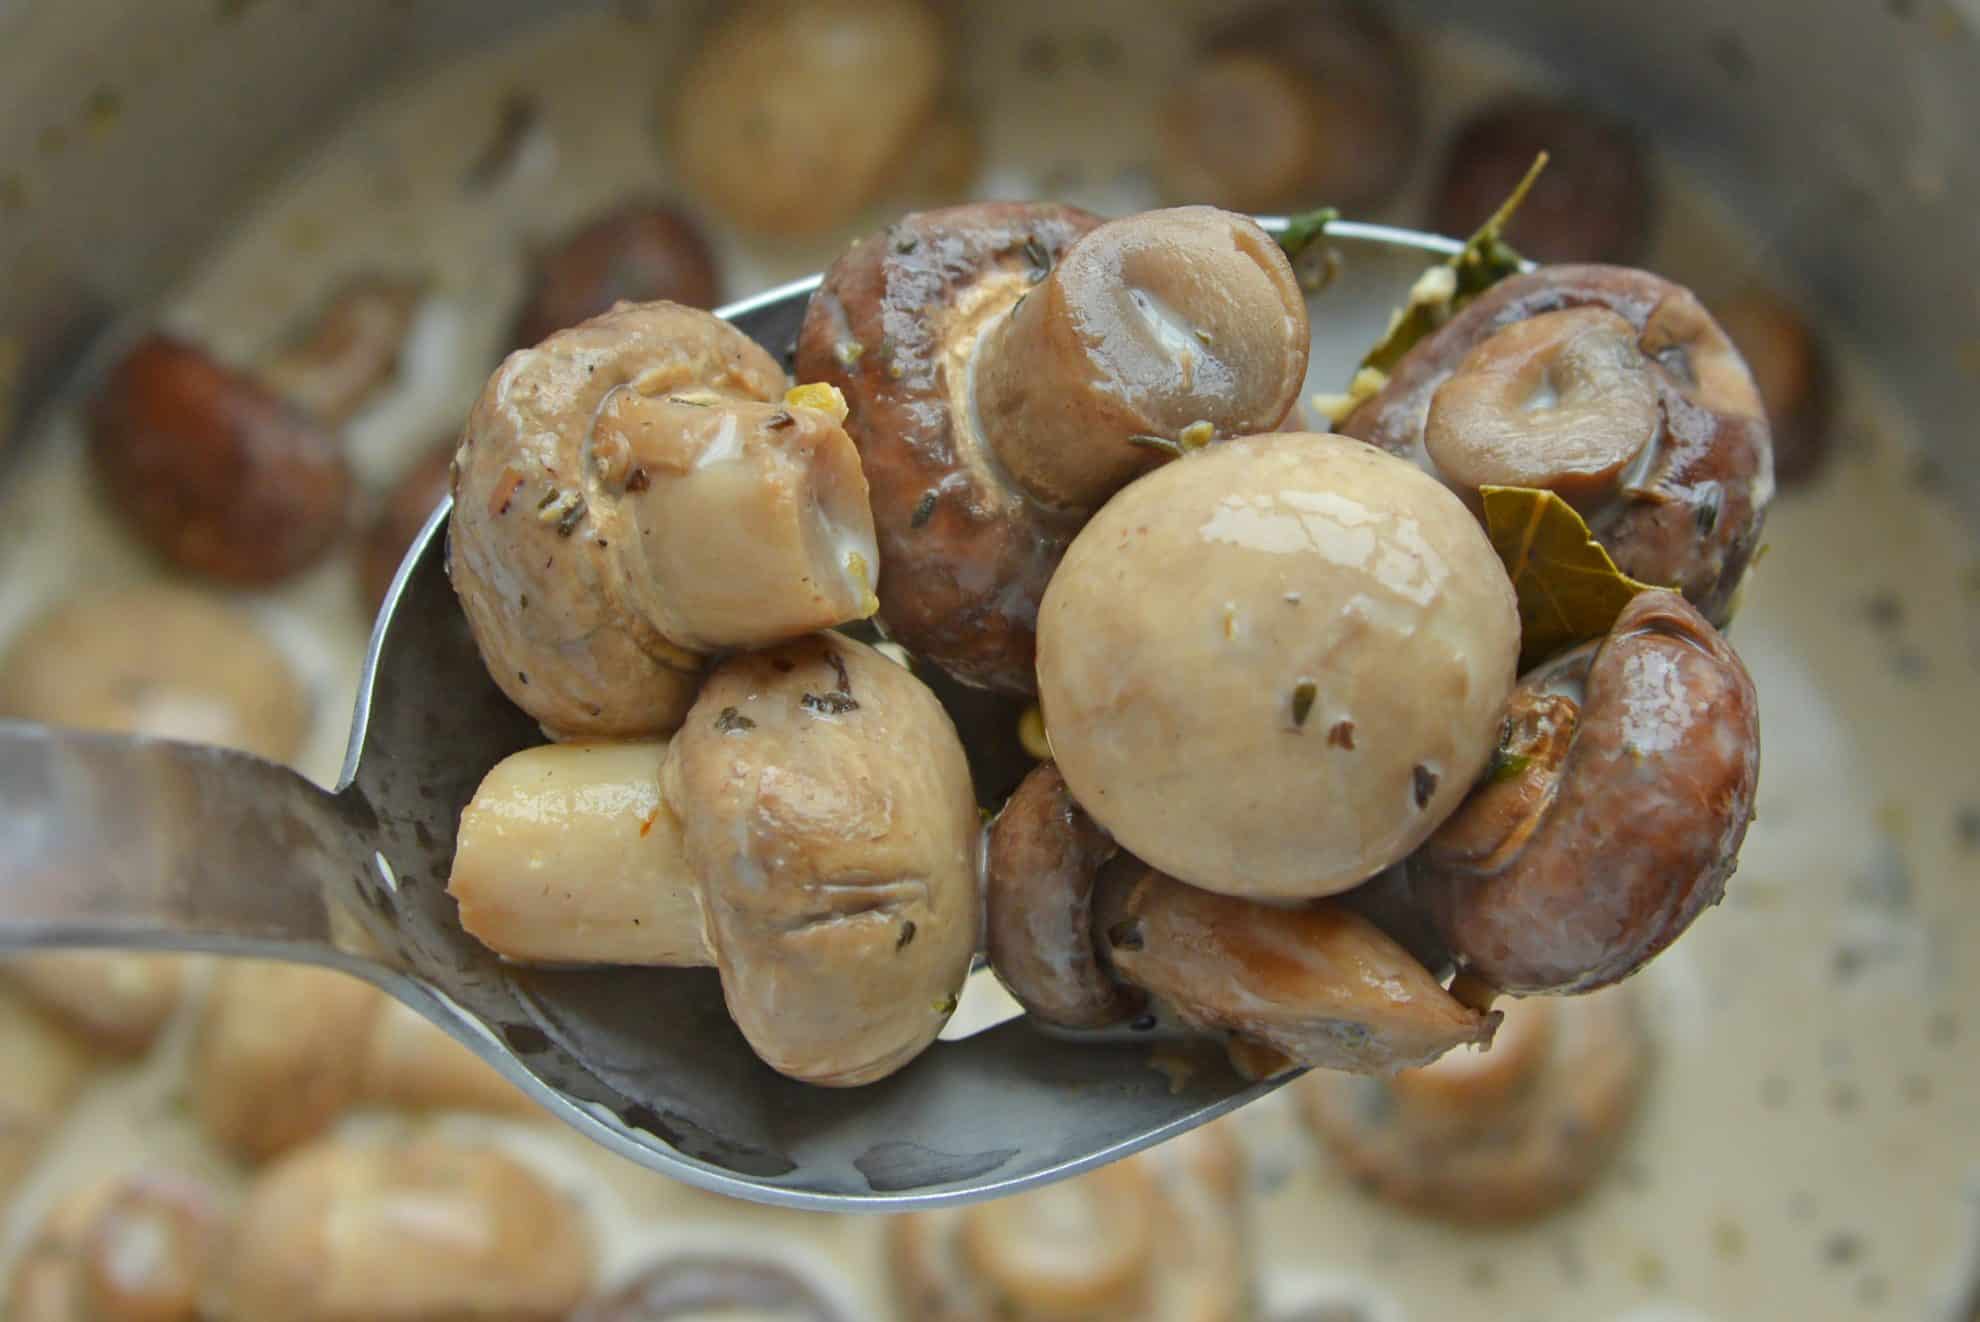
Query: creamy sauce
1814, 1124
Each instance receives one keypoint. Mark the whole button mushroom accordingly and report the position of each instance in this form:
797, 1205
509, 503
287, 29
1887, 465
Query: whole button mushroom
636, 492
1627, 786
1009, 367
1614, 388
637, 252
134, 1248
795, 114
1156, 1237
1315, 985
1273, 667
701, 1285
811, 831
1592, 204
1289, 105
1494, 1137
215, 471
424, 1230
157, 660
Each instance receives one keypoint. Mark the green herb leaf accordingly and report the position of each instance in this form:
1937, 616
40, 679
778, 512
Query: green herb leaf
1569, 590
1485, 259
1304, 229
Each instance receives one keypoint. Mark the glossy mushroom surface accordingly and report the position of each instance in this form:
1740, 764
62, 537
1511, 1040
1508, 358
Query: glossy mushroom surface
214, 471
633, 491
1274, 666
1632, 769
1043, 857
1501, 1136
1318, 984
1009, 367
1661, 444
1158, 1236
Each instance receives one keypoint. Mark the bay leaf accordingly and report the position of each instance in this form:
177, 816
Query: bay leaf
1569, 588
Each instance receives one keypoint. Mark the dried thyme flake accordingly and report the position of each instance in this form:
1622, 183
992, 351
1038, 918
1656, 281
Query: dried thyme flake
1041, 260
572, 517
1303, 695
828, 704
732, 721
924, 510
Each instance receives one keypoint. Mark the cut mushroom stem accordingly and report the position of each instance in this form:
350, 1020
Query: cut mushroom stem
811, 831
1614, 813
1318, 983
1152, 325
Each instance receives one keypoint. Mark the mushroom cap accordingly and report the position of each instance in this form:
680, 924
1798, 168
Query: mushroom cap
216, 472
1500, 1135
792, 116
1639, 760
637, 252
537, 548
829, 816
132, 1248
1044, 853
1791, 368
1317, 983
1272, 667
1157, 1236
404, 1232
964, 556
158, 660
1688, 513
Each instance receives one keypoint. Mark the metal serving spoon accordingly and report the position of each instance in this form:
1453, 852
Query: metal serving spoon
114, 841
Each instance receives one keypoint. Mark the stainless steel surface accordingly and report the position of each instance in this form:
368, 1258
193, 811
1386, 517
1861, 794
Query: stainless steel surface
129, 842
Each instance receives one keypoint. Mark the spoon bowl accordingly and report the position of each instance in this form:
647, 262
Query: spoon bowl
118, 841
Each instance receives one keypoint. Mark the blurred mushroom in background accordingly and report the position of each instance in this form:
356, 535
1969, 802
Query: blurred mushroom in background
420, 1230
160, 660
1291, 107
1593, 203
637, 252
133, 1248
1495, 1136
118, 1000
348, 350
740, 1284
44, 1071
1158, 1237
407, 506
1795, 373
785, 123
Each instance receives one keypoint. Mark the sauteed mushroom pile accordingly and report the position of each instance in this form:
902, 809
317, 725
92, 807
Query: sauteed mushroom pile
1297, 779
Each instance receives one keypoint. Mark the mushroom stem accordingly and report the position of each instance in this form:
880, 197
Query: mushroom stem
568, 854
1468, 989
1153, 325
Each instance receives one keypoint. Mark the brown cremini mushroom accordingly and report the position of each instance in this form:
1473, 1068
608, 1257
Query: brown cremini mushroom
216, 472
637, 252
418, 1231
135, 1248
636, 492
795, 114
712, 1285
811, 831
1288, 106
1157, 1237
350, 349
1009, 367
1628, 772
45, 1068
1592, 204
1613, 387
158, 660
1795, 375
1499, 1136
1318, 984
118, 1000
408, 505
1044, 854
1274, 666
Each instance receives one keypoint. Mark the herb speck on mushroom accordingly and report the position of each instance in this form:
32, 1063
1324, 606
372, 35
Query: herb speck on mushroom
732, 721
1303, 695
1423, 781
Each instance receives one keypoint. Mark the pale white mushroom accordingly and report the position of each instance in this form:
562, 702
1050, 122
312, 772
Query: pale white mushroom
811, 831
1272, 667
132, 1248
117, 1000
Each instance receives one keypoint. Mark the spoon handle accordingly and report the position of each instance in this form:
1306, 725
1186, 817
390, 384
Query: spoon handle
114, 841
